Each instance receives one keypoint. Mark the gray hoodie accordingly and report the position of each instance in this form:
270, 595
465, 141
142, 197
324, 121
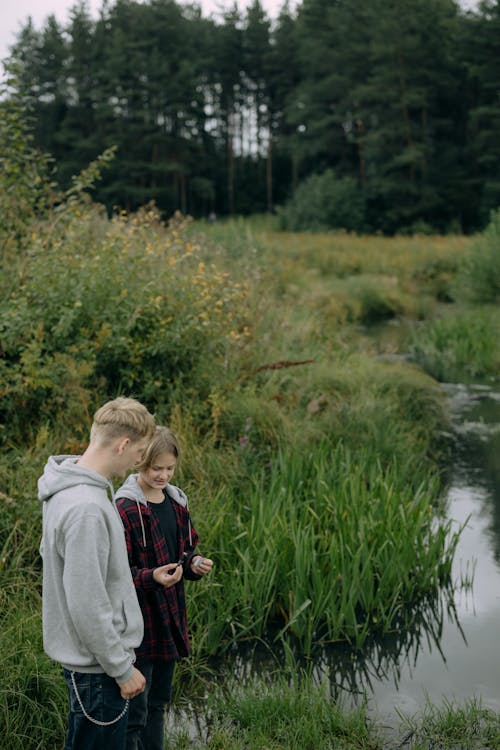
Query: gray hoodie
91, 617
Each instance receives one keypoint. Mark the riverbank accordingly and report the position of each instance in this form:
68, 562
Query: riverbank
294, 430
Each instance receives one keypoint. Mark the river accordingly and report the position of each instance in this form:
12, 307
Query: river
464, 661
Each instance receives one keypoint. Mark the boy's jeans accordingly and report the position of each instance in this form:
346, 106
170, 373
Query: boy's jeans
101, 699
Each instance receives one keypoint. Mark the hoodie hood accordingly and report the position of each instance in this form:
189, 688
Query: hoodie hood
131, 489
63, 472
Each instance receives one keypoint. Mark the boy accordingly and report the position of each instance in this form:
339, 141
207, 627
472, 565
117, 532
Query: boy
91, 617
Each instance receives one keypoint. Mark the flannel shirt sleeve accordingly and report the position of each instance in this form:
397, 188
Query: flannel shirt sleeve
142, 577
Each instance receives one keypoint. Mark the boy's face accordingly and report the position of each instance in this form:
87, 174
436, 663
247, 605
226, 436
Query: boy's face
130, 454
161, 471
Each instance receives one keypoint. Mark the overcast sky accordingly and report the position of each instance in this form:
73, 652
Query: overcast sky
14, 13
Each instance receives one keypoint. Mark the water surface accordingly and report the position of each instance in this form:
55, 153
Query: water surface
455, 656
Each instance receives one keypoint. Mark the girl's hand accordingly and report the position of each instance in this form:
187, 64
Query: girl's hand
201, 565
168, 575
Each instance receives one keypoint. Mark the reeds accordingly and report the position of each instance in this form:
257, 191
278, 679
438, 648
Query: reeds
460, 347
327, 545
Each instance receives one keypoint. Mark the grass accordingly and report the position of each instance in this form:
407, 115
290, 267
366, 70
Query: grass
311, 466
462, 346
294, 712
328, 545
461, 727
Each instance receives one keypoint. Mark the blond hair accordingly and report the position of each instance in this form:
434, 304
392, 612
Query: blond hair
122, 417
163, 441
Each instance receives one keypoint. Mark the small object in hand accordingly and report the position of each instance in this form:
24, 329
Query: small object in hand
198, 562
171, 572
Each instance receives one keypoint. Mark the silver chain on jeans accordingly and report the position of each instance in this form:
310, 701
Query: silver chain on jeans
96, 721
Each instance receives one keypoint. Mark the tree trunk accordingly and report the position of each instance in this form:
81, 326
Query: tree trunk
269, 173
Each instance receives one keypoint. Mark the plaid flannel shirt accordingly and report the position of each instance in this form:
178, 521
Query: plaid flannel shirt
163, 609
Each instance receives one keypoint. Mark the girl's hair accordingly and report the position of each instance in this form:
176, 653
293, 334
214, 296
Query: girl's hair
122, 417
163, 441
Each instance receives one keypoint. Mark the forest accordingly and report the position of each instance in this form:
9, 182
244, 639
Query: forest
363, 115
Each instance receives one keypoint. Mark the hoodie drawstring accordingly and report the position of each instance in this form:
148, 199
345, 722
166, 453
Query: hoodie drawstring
142, 523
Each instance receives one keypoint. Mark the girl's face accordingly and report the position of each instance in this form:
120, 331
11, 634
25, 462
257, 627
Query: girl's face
161, 471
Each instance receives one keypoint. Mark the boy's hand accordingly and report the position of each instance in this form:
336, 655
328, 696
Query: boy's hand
134, 685
201, 565
168, 575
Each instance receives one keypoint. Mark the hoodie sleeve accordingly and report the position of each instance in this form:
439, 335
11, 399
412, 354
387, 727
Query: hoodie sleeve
85, 547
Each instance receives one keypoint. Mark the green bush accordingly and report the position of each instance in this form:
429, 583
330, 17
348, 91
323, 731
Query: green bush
322, 202
107, 307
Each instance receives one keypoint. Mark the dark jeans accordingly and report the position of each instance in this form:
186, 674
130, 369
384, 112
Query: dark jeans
101, 699
147, 710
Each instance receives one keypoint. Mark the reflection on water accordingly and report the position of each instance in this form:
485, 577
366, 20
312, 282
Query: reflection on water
449, 651
352, 673
387, 659
476, 411
463, 661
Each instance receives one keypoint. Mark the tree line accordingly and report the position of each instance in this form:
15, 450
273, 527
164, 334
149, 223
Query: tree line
389, 107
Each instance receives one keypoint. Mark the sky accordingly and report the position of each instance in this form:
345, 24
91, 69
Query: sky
14, 13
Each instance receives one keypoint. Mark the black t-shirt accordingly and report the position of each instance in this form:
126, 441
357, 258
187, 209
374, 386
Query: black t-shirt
165, 514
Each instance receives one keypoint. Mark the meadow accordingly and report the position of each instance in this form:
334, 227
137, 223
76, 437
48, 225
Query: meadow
314, 461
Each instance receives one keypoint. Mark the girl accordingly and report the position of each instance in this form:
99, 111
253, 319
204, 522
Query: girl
160, 543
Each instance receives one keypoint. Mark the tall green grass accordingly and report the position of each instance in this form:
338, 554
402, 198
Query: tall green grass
32, 692
460, 347
478, 281
326, 545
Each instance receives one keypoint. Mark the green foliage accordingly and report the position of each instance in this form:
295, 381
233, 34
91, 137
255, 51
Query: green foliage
25, 187
470, 726
460, 346
33, 699
325, 544
398, 98
284, 715
120, 306
301, 467
479, 278
325, 202
351, 400
32, 693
